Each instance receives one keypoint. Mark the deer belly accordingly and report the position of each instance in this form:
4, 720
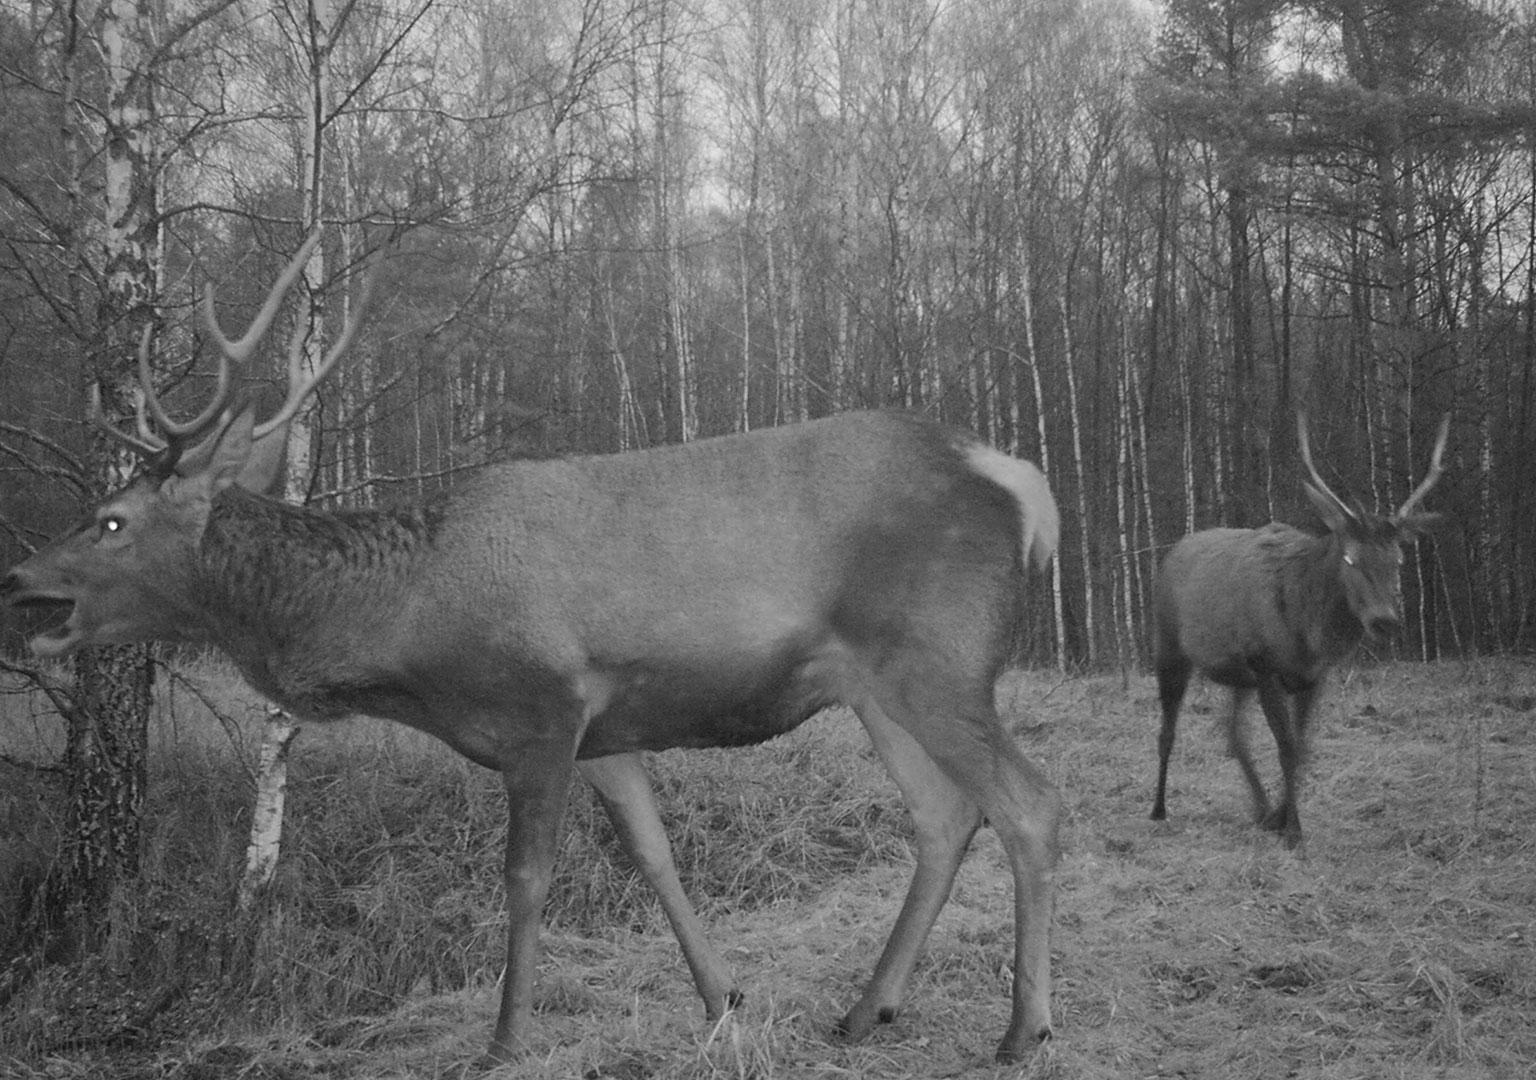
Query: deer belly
1238, 672
660, 711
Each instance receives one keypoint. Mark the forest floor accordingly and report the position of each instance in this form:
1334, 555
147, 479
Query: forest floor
1400, 941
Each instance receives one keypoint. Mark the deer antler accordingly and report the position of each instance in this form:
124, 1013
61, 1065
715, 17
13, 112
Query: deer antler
301, 385
144, 443
168, 435
1434, 471
1306, 459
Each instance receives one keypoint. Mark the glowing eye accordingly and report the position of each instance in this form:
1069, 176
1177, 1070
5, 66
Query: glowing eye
112, 525
1349, 560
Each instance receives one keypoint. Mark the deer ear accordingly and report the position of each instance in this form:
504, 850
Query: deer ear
218, 460
264, 465
233, 454
1333, 513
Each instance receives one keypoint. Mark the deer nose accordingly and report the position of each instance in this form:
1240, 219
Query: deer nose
11, 584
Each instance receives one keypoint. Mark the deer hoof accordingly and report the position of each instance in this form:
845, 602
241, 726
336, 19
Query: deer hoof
733, 1000
861, 1020
1017, 1048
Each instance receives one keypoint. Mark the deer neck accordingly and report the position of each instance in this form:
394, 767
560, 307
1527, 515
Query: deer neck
1336, 630
287, 591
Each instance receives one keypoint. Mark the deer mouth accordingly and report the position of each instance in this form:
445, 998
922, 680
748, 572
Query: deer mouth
49, 622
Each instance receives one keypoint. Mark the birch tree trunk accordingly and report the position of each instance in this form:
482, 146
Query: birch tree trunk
107, 736
1124, 513
264, 846
632, 433
1080, 474
668, 181
1058, 601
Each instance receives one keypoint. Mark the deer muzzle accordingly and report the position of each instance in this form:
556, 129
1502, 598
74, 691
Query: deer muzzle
49, 618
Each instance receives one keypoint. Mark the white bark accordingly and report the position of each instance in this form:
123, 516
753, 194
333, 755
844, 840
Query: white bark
265, 844
1058, 603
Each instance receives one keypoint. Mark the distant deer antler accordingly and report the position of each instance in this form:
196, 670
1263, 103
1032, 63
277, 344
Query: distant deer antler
1304, 439
1431, 477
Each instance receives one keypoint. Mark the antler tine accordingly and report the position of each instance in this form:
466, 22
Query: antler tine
176, 433
1433, 475
1306, 459
140, 444
240, 351
300, 384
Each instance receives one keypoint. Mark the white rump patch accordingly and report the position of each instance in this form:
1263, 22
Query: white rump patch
1037, 507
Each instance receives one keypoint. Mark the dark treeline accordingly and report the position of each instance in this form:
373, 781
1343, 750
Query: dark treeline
1127, 241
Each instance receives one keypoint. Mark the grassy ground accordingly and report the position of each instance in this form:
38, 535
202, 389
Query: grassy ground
1399, 943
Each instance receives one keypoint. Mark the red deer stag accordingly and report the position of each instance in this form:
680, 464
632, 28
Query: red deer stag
574, 612
1270, 610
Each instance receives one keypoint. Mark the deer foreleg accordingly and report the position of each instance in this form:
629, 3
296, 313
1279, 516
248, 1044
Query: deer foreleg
537, 780
1172, 681
1237, 746
1290, 730
944, 821
624, 787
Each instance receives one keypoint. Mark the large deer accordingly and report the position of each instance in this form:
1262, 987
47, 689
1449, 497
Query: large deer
571, 613
1269, 611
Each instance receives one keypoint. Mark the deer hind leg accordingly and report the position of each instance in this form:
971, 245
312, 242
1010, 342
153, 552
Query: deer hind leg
944, 821
964, 742
1172, 681
1237, 747
624, 787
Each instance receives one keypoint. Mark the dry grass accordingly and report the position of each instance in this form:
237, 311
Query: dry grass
1399, 943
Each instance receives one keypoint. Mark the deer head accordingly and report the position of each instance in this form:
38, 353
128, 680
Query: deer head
1370, 546
120, 575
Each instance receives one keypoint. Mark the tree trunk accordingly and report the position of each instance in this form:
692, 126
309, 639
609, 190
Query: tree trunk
1080, 475
107, 740
1058, 601
264, 844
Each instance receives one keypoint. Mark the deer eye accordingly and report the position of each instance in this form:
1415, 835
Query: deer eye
112, 524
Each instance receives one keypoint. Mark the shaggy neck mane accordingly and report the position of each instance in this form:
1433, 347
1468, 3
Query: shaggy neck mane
1312, 591
1307, 590
272, 569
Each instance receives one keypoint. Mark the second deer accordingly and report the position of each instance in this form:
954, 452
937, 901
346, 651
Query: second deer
1269, 611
